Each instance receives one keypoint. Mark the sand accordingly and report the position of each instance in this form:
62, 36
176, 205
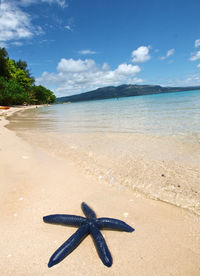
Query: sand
34, 184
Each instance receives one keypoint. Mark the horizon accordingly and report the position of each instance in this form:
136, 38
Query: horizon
73, 47
115, 86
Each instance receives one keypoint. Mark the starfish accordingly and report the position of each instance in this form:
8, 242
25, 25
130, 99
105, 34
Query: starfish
89, 225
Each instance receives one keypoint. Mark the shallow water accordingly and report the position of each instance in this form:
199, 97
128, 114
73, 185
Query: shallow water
163, 114
149, 144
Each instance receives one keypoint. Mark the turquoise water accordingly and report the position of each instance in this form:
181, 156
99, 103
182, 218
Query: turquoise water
162, 114
129, 142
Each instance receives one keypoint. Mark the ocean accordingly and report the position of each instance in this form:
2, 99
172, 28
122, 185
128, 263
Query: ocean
147, 144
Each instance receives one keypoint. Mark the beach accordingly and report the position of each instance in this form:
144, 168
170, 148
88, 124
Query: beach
35, 183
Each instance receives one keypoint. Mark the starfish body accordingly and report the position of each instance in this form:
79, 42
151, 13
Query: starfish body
89, 225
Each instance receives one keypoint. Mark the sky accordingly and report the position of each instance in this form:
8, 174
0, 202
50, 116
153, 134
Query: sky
74, 46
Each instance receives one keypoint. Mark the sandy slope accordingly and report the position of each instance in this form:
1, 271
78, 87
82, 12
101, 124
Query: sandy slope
34, 184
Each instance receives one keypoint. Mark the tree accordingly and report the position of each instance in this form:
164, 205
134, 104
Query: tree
3, 63
41, 95
16, 84
18, 74
23, 66
13, 93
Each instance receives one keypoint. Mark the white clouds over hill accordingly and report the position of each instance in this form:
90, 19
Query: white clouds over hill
76, 76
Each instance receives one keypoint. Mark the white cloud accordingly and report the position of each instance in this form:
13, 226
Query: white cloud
198, 65
195, 56
68, 27
17, 43
2, 44
24, 2
14, 23
141, 54
168, 54
76, 66
86, 52
76, 76
192, 80
197, 43
127, 69
61, 3
105, 66
188, 80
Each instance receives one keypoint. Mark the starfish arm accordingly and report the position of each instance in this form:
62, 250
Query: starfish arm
101, 246
67, 247
115, 224
65, 220
89, 213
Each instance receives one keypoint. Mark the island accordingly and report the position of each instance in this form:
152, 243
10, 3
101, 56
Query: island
125, 90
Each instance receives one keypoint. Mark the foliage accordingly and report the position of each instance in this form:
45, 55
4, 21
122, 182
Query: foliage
24, 67
13, 93
18, 74
17, 84
3, 63
41, 95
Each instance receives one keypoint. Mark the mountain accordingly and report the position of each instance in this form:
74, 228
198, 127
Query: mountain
123, 91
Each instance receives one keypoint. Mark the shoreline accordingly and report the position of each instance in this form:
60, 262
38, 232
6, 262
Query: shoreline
158, 167
4, 113
34, 184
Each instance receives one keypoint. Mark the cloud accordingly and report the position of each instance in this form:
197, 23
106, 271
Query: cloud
197, 43
86, 52
105, 66
195, 56
141, 54
76, 76
68, 27
14, 23
75, 66
188, 80
61, 3
17, 43
168, 54
198, 65
192, 80
70, 24
2, 44
127, 69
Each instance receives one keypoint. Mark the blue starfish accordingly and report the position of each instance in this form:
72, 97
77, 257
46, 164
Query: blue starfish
89, 225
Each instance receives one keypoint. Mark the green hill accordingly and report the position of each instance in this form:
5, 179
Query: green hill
123, 91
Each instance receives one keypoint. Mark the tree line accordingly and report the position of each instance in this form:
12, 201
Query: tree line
17, 86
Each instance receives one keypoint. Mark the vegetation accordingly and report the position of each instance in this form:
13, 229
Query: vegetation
17, 85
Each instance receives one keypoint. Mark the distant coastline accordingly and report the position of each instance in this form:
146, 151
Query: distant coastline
123, 91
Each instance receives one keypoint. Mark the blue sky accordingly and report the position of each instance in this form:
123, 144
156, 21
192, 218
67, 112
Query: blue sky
74, 46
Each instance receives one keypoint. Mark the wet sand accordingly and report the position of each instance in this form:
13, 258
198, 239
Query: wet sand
35, 183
